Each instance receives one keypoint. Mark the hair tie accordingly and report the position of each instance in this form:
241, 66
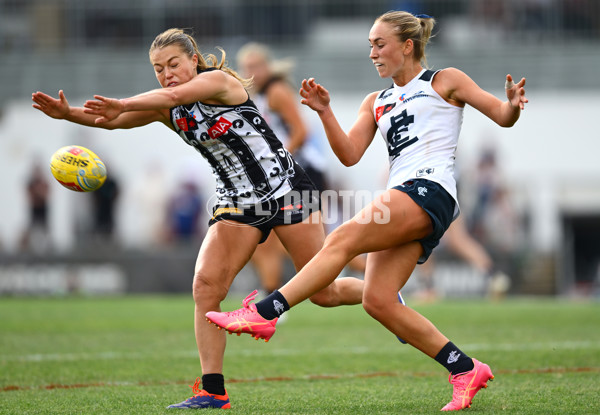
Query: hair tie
423, 16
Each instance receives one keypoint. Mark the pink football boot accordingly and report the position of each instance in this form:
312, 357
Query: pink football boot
244, 320
467, 384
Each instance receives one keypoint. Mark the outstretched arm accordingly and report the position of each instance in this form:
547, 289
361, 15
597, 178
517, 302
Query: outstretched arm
61, 110
349, 148
458, 87
210, 87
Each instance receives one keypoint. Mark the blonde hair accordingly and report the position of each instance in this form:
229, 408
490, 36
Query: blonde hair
189, 46
409, 26
281, 68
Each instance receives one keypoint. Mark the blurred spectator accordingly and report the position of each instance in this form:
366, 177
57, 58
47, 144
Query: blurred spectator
184, 212
36, 236
487, 180
104, 201
495, 220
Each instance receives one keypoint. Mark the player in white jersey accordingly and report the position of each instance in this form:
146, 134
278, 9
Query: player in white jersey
419, 117
259, 186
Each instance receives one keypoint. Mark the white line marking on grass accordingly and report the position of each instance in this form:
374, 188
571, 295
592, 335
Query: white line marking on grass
268, 351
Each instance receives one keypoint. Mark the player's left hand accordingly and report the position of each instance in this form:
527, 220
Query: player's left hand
516, 92
107, 108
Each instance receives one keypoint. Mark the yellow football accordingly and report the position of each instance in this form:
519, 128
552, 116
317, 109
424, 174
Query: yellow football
78, 169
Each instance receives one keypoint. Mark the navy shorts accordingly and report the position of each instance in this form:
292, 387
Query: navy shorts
291, 208
438, 204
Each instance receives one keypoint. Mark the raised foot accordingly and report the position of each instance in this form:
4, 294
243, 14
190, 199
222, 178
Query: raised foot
466, 385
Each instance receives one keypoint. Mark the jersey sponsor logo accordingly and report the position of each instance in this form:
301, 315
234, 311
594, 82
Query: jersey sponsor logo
425, 171
187, 123
219, 128
420, 94
384, 109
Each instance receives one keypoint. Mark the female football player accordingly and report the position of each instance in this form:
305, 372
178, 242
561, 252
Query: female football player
419, 116
206, 103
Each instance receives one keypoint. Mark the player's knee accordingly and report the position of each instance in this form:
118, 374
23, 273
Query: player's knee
341, 241
324, 298
374, 305
207, 290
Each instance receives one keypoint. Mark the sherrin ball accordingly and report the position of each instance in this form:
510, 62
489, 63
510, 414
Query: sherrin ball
78, 169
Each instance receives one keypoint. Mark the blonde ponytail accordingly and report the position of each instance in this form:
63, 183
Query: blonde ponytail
408, 26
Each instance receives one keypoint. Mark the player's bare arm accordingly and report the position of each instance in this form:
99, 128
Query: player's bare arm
348, 148
458, 89
60, 109
215, 87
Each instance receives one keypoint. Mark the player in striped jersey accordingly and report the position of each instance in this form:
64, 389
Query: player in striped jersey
259, 185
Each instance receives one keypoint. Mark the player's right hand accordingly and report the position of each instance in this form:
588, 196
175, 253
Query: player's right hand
52, 107
314, 95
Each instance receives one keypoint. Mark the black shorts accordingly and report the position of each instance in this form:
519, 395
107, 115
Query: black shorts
293, 207
317, 177
438, 204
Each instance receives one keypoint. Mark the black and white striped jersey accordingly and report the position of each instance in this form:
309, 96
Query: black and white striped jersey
249, 163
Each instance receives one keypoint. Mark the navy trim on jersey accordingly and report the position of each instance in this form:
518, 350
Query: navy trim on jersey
427, 75
384, 91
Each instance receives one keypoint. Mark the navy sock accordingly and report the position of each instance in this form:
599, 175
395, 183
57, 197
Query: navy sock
453, 359
272, 306
214, 383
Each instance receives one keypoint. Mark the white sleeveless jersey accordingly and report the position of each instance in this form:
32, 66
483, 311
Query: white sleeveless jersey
421, 130
249, 163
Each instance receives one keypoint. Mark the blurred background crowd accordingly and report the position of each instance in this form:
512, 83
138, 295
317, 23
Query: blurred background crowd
530, 194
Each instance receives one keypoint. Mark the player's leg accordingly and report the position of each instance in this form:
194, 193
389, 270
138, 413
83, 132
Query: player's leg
224, 252
268, 263
392, 219
303, 241
387, 271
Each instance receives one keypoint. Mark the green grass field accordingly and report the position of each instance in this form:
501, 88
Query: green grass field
137, 355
